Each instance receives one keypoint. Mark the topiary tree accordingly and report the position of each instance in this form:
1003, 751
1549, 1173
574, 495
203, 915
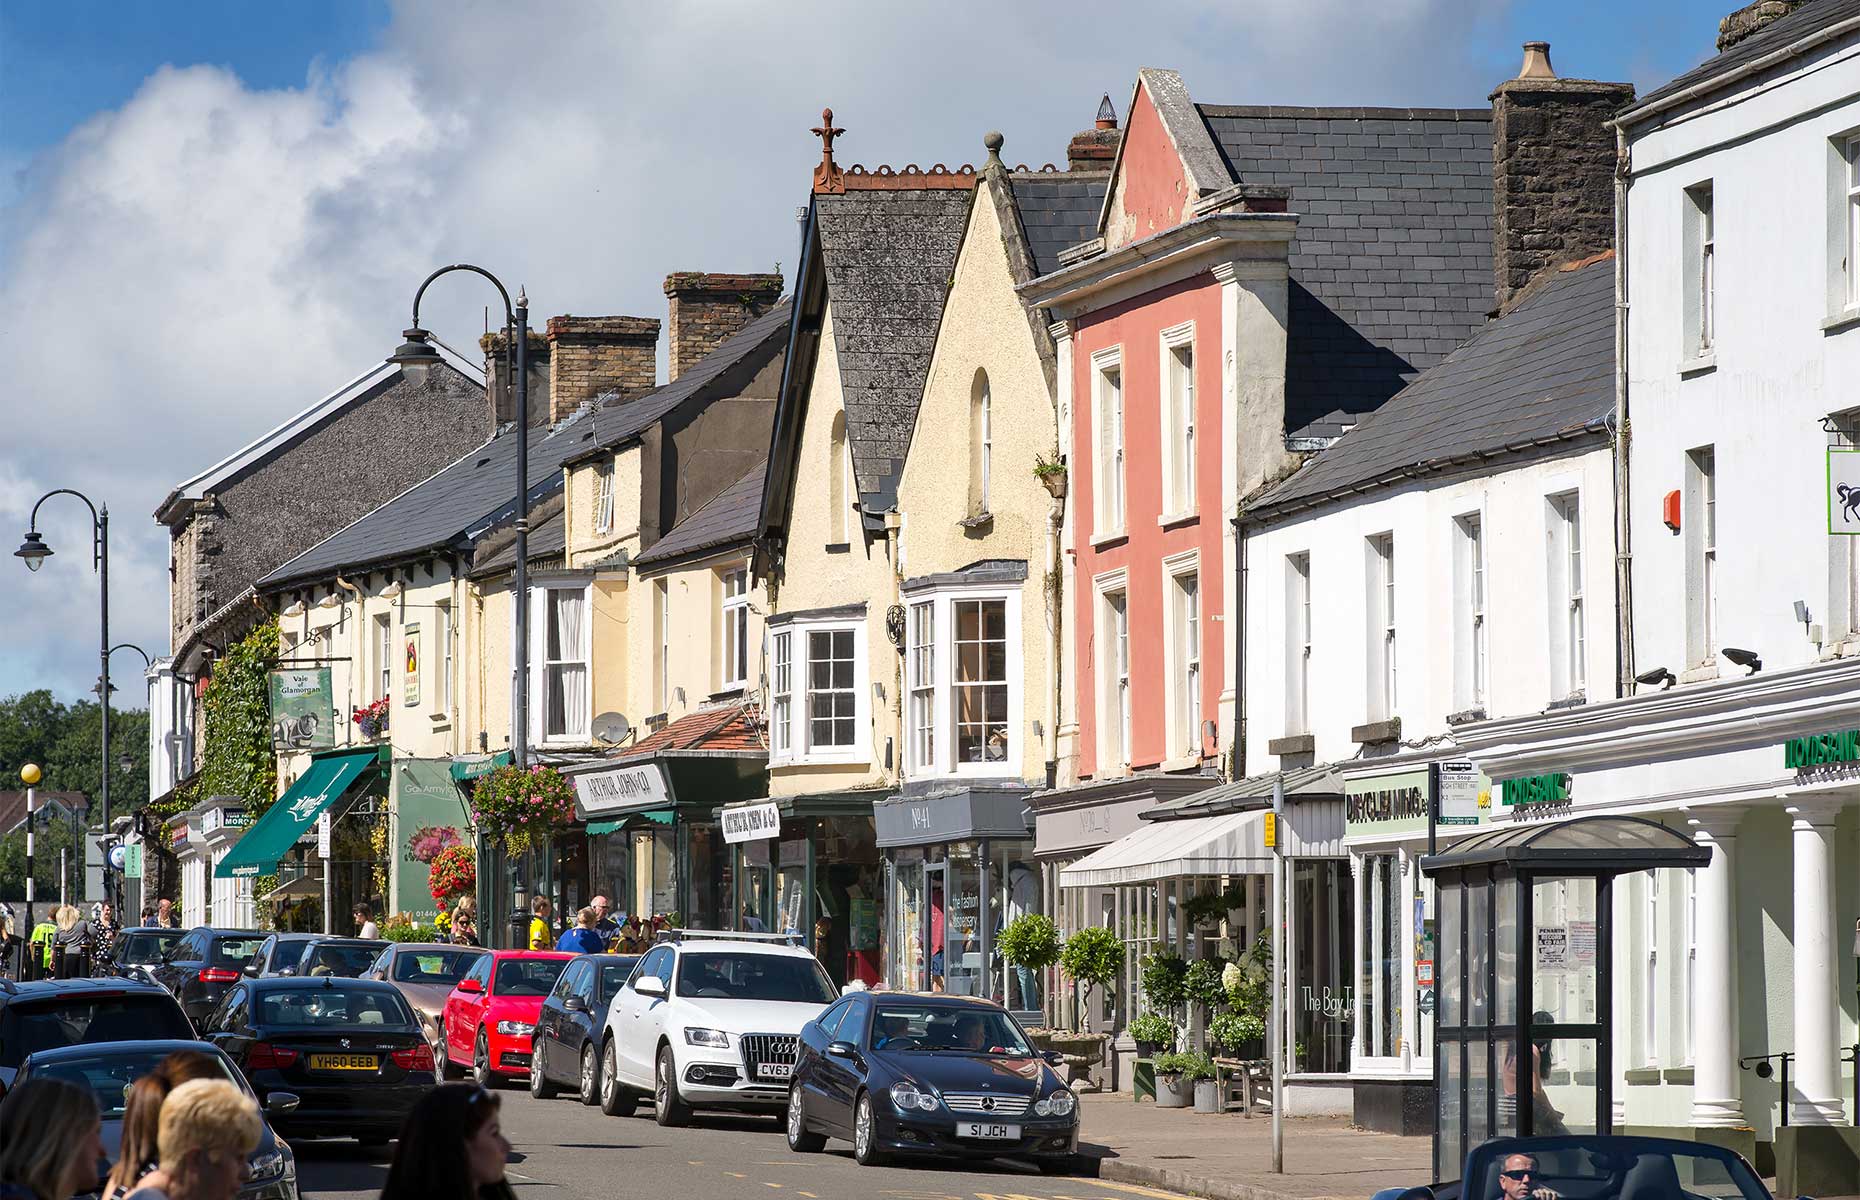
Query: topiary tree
1092, 958
1162, 978
1030, 940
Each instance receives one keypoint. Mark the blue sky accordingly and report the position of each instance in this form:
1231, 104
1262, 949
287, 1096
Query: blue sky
277, 175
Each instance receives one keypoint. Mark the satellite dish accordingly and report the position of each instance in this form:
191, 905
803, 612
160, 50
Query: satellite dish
611, 728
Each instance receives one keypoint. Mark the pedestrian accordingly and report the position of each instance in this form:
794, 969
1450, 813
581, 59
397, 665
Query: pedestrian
582, 939
207, 1132
541, 938
751, 922
465, 922
139, 1157
51, 1140
630, 938
71, 946
105, 928
451, 1147
148, 915
604, 924
165, 916
365, 921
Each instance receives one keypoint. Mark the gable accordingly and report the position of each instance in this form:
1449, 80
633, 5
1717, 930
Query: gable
1166, 162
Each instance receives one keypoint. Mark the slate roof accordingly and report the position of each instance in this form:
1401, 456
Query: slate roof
889, 255
731, 516
1803, 22
1057, 210
1391, 268
548, 539
1542, 373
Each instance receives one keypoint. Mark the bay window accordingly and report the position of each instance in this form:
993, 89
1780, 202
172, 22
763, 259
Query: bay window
923, 686
981, 686
781, 694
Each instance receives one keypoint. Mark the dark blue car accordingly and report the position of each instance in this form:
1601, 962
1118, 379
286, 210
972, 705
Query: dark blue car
564, 1051
937, 1075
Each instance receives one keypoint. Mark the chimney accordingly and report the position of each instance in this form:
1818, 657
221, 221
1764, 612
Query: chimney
1094, 148
1751, 18
497, 378
705, 309
589, 356
1553, 168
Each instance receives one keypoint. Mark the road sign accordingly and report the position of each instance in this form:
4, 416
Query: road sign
1459, 793
1271, 829
322, 835
119, 855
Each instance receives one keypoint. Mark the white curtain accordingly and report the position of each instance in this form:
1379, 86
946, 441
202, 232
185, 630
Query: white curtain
570, 608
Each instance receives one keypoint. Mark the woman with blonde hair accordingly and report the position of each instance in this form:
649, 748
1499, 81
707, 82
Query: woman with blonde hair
51, 1141
209, 1128
465, 922
140, 1153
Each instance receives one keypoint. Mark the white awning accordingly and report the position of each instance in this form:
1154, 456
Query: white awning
1232, 844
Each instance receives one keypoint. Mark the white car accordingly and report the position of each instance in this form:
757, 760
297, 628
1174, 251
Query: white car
710, 1020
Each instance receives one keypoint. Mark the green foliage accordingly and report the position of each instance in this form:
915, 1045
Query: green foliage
1030, 940
1213, 906
1249, 982
66, 741
1153, 1028
1190, 1065
404, 927
48, 843
524, 808
1201, 983
1231, 1031
236, 758
1092, 958
1163, 977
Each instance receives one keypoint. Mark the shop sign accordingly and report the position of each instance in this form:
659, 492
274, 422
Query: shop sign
623, 789
1388, 798
217, 819
1533, 790
1332, 1004
750, 822
1820, 749
132, 860
301, 704
177, 837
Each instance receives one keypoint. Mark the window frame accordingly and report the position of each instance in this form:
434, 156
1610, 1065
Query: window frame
1567, 601
781, 693
1384, 681
1650, 956
1183, 705
1298, 642
1700, 261
604, 497
1111, 597
1177, 389
1471, 632
799, 747
1699, 519
941, 694
662, 644
384, 655
733, 623
1849, 148
445, 633
1109, 407
540, 663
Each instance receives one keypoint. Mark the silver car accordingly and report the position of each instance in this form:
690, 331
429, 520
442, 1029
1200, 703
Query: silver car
424, 973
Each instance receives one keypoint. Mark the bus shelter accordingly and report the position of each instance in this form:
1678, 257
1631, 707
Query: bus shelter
1523, 1045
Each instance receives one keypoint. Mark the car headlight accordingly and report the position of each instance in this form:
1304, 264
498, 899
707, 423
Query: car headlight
1059, 1104
715, 1039
908, 1096
515, 1028
267, 1166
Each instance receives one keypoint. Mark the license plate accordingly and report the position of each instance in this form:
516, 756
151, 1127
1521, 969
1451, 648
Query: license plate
775, 1070
983, 1129
343, 1062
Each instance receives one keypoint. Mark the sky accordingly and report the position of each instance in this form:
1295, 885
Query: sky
214, 213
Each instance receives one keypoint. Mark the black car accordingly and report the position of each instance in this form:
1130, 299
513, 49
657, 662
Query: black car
348, 958
107, 1070
65, 1012
203, 964
1599, 1165
349, 1049
943, 1075
137, 951
565, 1049
277, 955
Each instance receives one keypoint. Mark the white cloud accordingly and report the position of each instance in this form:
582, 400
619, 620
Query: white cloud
184, 272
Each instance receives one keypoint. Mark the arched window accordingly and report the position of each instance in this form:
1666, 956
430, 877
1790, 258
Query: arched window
981, 444
837, 493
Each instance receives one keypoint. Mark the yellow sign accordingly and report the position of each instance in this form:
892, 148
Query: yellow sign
1272, 831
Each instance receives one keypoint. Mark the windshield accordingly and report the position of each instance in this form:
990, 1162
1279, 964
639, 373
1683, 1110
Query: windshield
28, 1026
108, 1074
939, 1028
527, 976
778, 977
232, 952
1609, 1168
136, 949
344, 959
615, 972
434, 966
323, 1007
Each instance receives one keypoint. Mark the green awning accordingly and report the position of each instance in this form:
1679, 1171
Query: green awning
597, 828
328, 777
656, 816
464, 770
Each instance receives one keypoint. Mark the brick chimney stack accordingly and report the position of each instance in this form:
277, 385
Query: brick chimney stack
1751, 18
707, 309
1553, 167
589, 356
1095, 148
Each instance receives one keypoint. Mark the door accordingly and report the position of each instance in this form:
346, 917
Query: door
638, 1018
840, 1077
936, 928
462, 1009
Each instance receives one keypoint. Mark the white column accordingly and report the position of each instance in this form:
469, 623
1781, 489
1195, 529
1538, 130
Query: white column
1815, 1073
1715, 1089
1359, 1017
1405, 946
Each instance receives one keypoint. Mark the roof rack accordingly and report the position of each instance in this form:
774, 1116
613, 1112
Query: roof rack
725, 935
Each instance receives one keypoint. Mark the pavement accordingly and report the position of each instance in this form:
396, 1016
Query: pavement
1139, 1152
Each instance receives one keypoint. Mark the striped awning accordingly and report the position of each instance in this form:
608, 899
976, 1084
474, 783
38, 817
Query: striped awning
1234, 844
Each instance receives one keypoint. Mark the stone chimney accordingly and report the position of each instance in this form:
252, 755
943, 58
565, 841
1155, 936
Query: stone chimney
1751, 18
1093, 149
589, 356
1553, 167
497, 378
707, 309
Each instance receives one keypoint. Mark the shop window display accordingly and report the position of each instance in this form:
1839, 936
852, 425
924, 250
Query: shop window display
1323, 997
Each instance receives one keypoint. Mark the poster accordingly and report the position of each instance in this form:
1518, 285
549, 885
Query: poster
864, 932
301, 710
410, 687
1553, 948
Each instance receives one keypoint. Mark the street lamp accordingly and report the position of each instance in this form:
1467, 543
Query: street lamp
416, 354
35, 552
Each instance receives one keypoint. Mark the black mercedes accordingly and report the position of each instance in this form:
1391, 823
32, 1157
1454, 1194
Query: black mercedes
937, 1075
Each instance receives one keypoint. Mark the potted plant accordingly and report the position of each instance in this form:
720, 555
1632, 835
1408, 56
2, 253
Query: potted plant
1201, 984
453, 872
524, 807
1091, 958
1153, 1033
1162, 977
1051, 472
1030, 944
1238, 1035
1176, 1076
371, 718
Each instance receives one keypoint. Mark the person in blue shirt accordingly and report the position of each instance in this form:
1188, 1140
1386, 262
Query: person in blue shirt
582, 939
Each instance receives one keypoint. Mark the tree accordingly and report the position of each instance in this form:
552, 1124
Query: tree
50, 840
64, 739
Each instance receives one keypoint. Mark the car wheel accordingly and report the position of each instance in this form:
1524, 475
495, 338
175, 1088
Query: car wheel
448, 1070
801, 1140
865, 1134
590, 1076
540, 1087
670, 1109
481, 1072
616, 1100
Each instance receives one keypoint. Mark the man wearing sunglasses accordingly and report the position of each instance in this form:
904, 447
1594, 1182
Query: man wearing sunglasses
1517, 1179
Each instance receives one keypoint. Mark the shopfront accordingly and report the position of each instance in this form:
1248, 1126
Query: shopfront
221, 822
959, 865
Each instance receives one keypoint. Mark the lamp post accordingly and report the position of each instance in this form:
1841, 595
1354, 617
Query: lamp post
417, 352
30, 776
35, 552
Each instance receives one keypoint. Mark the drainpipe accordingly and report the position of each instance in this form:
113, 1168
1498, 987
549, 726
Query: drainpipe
1054, 617
356, 662
1624, 433
1240, 646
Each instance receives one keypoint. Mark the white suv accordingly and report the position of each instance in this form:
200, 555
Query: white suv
710, 1020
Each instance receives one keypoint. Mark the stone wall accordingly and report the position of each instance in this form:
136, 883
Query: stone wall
1553, 164
589, 356
706, 309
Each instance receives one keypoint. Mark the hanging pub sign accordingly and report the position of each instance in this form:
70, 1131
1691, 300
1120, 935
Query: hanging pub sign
751, 822
301, 704
410, 672
1844, 491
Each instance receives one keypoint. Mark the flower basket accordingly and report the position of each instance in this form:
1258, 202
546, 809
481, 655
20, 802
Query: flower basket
523, 807
453, 872
371, 719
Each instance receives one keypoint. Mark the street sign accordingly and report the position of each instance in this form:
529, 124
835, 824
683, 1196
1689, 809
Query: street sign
1271, 830
1459, 793
119, 855
132, 861
322, 835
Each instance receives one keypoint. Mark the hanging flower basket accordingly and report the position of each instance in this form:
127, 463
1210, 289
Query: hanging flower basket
523, 807
453, 872
372, 719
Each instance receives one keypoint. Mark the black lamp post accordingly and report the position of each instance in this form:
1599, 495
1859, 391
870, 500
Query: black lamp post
35, 552
519, 912
417, 352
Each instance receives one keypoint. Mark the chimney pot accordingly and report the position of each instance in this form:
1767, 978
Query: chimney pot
1107, 116
1537, 62
1093, 149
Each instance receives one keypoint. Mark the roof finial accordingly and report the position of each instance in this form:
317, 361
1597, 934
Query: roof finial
827, 177
992, 141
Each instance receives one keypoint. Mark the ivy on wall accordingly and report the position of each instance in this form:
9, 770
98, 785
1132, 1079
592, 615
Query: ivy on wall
236, 758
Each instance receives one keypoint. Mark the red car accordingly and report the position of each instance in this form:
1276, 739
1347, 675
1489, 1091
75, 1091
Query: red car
490, 1016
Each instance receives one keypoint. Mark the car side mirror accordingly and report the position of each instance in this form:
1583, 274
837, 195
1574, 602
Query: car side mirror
574, 1003
282, 1102
1054, 1058
470, 985
250, 969
842, 1050
1410, 1193
649, 985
